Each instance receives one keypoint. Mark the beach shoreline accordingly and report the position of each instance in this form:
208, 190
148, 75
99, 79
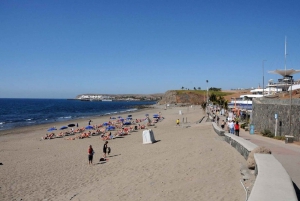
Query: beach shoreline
79, 120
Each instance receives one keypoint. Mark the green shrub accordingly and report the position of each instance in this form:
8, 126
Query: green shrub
267, 133
243, 125
279, 137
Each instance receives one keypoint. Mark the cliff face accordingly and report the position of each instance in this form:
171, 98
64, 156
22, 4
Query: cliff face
189, 97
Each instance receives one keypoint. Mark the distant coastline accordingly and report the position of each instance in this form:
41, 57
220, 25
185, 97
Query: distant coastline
124, 97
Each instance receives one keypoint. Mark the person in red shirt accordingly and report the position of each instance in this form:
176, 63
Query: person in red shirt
90, 154
237, 129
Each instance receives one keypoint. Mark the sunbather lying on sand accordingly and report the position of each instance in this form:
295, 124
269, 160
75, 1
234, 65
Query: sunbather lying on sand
49, 136
70, 138
61, 134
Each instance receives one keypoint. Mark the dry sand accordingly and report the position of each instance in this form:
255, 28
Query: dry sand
188, 162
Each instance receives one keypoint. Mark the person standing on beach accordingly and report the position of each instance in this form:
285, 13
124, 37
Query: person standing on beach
177, 122
105, 149
90, 154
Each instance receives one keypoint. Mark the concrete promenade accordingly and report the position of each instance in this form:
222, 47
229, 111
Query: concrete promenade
287, 154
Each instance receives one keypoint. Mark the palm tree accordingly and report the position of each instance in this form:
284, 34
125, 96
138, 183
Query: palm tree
182, 88
213, 98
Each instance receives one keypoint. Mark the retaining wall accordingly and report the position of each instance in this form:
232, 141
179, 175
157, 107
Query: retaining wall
263, 116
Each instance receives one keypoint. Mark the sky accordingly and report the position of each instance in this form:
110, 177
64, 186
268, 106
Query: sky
63, 48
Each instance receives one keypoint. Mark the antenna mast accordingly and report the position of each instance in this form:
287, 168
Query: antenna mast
285, 55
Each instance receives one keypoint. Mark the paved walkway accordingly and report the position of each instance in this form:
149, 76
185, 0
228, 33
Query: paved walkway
287, 154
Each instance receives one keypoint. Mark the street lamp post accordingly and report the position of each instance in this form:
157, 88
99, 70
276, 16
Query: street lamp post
207, 96
290, 115
246, 97
263, 62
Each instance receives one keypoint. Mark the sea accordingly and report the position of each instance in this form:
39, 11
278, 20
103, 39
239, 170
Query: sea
17, 112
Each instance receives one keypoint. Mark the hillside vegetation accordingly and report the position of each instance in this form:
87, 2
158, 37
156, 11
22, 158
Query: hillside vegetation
195, 97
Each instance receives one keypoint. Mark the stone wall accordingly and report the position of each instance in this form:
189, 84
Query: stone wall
263, 116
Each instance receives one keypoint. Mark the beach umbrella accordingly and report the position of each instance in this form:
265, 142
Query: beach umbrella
121, 119
109, 128
71, 125
63, 127
51, 129
89, 127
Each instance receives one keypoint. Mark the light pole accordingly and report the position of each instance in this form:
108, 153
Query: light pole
263, 62
246, 97
290, 119
207, 97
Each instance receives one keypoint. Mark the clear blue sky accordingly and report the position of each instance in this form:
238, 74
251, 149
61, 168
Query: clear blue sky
59, 49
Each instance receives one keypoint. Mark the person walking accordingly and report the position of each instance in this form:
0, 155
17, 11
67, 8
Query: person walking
105, 149
177, 122
231, 127
90, 154
223, 124
237, 129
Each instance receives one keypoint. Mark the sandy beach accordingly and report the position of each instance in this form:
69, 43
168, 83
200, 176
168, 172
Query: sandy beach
188, 162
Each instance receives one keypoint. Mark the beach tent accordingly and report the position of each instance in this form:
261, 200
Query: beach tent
148, 137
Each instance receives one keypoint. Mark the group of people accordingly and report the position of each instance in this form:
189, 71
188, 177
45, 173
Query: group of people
231, 126
106, 150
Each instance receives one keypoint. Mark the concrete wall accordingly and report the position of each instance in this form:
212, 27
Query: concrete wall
263, 116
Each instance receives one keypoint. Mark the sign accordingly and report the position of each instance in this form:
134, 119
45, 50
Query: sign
276, 116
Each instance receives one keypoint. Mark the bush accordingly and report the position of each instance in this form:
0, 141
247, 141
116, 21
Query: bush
267, 133
279, 137
243, 125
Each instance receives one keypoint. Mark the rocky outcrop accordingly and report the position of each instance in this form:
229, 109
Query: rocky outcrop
188, 97
251, 161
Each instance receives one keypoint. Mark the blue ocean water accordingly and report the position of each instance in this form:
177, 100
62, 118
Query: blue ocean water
24, 112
